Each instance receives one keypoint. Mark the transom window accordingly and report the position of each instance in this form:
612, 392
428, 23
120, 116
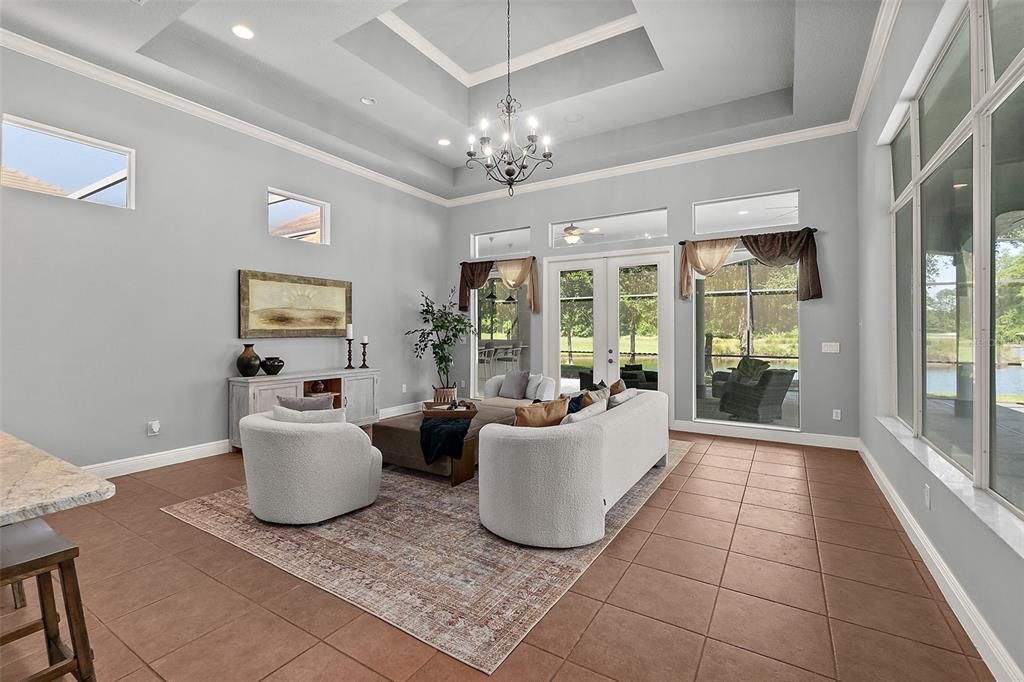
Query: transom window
958, 212
48, 160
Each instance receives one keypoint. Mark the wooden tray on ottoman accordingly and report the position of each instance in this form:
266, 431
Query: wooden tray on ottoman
432, 409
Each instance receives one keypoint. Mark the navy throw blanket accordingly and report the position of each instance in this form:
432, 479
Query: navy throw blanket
441, 437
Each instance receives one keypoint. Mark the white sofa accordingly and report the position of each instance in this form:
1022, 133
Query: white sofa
551, 486
544, 390
307, 473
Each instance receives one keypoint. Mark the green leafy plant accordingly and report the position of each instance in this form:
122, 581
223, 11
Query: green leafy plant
444, 326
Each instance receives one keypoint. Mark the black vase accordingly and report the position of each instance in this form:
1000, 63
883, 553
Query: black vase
272, 364
248, 363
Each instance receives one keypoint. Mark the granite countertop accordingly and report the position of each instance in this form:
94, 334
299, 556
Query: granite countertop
34, 483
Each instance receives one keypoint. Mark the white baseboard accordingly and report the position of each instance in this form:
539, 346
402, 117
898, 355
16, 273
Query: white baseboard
397, 410
992, 651
821, 440
131, 465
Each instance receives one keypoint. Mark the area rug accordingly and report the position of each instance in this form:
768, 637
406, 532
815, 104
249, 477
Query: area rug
419, 559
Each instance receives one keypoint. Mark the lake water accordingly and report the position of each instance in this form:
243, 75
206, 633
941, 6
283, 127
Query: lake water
942, 379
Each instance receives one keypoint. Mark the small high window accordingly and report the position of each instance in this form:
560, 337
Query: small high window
626, 227
293, 216
44, 159
778, 209
502, 244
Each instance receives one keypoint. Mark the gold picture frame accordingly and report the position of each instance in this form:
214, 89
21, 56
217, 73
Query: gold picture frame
274, 305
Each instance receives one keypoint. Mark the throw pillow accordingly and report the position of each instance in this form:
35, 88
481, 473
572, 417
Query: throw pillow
620, 398
576, 403
284, 414
601, 395
320, 402
618, 387
514, 385
532, 385
586, 412
550, 413
597, 386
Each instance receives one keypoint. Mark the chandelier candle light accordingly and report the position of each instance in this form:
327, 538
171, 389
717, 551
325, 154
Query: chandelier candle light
509, 163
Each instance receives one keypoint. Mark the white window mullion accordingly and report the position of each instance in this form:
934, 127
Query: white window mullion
983, 403
918, 271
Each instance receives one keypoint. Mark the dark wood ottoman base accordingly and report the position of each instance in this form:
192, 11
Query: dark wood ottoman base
398, 440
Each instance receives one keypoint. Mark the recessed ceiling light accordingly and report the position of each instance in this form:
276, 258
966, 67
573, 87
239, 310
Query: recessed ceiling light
369, 101
960, 185
242, 31
444, 142
574, 118
742, 212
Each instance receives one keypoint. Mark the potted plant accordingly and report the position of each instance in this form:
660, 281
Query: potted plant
444, 326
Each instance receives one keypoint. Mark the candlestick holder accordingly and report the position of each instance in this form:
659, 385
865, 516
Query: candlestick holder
364, 365
349, 365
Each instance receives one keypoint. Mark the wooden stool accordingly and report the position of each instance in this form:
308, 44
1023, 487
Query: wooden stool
31, 548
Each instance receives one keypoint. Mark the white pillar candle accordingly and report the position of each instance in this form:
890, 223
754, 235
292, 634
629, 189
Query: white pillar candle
348, 331
366, 339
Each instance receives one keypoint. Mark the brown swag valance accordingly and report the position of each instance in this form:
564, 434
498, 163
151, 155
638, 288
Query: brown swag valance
774, 250
514, 272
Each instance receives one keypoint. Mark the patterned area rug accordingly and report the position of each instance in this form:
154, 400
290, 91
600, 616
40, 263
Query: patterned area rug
419, 559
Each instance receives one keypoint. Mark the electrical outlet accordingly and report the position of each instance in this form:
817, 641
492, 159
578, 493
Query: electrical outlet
403, 388
462, 384
927, 496
837, 415
153, 428
830, 347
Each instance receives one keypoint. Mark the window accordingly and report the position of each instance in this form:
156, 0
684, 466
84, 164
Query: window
294, 216
959, 386
747, 327
1007, 397
503, 244
779, 209
905, 313
501, 315
40, 158
627, 227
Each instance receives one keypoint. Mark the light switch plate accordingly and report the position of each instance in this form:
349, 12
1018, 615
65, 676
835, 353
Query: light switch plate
830, 347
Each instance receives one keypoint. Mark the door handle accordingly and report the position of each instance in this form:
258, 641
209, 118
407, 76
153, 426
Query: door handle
611, 361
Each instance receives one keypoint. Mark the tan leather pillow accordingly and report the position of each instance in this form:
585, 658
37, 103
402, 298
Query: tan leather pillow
618, 387
594, 396
549, 413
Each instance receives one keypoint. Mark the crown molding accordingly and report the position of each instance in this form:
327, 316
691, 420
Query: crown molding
101, 74
880, 35
523, 61
756, 144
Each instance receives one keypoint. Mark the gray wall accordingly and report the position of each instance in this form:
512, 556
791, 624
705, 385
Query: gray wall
990, 572
825, 173
113, 317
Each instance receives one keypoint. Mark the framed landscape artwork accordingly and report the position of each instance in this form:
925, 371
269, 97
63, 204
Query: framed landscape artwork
275, 305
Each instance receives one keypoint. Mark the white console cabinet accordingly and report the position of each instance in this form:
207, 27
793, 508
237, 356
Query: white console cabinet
353, 389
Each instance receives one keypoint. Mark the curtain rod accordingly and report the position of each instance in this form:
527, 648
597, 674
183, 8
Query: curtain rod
759, 234
494, 260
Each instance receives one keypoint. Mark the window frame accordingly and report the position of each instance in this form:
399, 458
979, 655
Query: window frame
567, 248
325, 216
474, 248
987, 94
79, 138
725, 234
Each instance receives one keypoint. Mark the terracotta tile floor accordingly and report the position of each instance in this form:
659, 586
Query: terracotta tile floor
754, 561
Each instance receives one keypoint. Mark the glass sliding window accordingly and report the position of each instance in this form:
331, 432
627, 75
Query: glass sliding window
296, 217
503, 244
902, 163
905, 313
42, 159
503, 330
1007, 463
1007, 20
947, 97
748, 339
948, 306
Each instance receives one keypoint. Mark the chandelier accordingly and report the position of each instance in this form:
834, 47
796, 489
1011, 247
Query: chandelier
509, 163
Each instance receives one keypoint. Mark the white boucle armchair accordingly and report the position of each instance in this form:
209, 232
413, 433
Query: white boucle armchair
307, 473
552, 486
543, 388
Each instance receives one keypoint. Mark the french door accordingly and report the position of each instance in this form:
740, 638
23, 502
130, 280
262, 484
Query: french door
608, 318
